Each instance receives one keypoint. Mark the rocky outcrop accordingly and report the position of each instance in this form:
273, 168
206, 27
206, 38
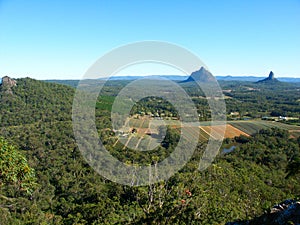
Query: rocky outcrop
7, 84
286, 212
201, 75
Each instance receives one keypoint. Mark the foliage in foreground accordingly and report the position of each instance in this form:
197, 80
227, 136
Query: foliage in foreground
240, 185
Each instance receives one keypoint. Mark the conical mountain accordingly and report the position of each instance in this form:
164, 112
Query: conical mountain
201, 75
270, 79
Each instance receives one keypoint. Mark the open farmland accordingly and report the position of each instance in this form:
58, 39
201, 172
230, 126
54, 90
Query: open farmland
230, 131
253, 126
145, 125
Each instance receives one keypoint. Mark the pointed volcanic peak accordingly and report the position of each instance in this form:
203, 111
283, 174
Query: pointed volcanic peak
201, 75
270, 79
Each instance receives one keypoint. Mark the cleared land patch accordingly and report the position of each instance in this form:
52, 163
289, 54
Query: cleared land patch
141, 139
253, 126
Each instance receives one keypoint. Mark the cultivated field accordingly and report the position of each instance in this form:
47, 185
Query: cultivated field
142, 140
230, 131
253, 126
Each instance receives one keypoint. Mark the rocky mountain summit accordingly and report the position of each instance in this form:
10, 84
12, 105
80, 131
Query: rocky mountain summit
286, 212
201, 75
270, 79
7, 84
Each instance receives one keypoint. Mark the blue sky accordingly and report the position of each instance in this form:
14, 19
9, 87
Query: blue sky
61, 39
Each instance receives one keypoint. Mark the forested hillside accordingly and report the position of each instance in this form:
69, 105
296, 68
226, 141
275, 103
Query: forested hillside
35, 101
64, 189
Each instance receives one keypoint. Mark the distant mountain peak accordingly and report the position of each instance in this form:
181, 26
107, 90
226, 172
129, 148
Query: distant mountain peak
270, 79
271, 76
201, 75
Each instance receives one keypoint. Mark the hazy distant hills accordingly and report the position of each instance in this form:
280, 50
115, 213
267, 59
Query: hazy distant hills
183, 78
255, 79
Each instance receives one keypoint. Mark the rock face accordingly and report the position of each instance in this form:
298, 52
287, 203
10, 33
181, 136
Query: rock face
270, 79
7, 84
7, 81
201, 75
271, 76
286, 212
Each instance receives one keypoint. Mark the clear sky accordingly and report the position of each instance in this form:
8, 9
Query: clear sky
60, 39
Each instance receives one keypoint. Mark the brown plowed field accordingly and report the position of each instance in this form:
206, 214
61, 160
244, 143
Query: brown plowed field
230, 131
